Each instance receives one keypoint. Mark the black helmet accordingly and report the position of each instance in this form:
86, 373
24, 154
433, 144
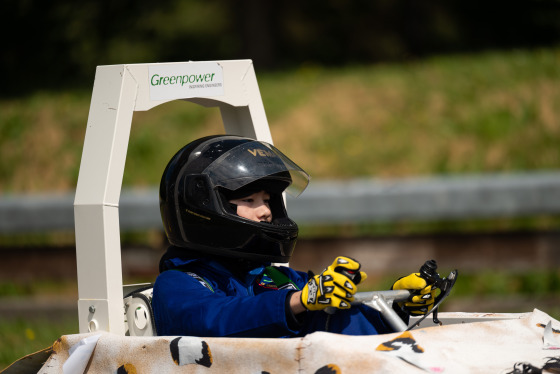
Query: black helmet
204, 175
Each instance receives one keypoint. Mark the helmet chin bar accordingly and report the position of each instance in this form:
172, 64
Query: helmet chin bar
256, 241
281, 254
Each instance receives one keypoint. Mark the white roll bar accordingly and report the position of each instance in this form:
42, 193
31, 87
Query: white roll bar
118, 91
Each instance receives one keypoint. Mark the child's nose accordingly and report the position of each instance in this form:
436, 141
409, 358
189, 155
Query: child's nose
264, 213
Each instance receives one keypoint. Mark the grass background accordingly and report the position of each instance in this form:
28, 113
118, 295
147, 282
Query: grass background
469, 114
494, 112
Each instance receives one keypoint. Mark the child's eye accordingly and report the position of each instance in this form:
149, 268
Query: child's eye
247, 200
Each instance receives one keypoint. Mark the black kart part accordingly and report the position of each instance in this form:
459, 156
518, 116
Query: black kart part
428, 272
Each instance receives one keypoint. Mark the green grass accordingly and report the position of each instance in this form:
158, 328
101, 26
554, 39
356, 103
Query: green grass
402, 228
23, 336
492, 112
534, 283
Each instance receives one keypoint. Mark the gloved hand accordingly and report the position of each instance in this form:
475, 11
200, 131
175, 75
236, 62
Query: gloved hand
421, 301
334, 287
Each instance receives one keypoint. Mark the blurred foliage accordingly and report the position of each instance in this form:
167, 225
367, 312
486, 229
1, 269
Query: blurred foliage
44, 286
23, 336
481, 113
534, 283
488, 283
59, 43
406, 228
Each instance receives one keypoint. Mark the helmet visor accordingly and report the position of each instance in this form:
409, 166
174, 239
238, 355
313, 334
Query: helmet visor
249, 162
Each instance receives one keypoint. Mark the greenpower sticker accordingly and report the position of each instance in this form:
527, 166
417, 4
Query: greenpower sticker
185, 80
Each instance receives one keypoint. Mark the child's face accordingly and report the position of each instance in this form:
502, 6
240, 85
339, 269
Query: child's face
255, 207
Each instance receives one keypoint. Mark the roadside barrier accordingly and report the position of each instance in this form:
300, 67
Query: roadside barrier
329, 202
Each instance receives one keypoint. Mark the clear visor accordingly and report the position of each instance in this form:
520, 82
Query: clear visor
251, 161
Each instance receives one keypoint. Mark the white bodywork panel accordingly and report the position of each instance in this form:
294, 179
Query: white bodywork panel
526, 340
118, 91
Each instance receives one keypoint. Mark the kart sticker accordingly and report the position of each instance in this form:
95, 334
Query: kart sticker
190, 350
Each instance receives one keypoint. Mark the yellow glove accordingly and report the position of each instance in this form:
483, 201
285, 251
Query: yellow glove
335, 286
421, 301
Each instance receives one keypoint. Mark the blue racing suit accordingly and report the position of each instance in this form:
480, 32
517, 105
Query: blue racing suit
202, 297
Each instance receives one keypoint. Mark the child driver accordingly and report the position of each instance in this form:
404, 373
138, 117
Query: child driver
224, 215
